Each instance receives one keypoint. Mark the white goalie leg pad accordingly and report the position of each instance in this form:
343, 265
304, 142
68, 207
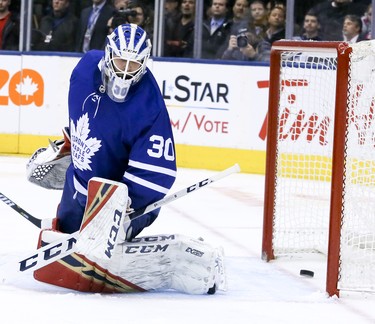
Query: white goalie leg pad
199, 267
166, 262
151, 263
103, 221
171, 262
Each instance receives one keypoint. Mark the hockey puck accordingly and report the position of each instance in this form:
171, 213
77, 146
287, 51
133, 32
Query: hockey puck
306, 273
212, 290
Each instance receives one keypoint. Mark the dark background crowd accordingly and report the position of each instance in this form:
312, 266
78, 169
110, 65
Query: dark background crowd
230, 29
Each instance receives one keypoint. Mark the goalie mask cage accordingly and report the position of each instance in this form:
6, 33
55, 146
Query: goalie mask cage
320, 165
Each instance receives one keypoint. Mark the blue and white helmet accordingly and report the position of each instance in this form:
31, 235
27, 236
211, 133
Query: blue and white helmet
125, 59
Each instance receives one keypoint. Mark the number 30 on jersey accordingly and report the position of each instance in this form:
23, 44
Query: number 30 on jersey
161, 148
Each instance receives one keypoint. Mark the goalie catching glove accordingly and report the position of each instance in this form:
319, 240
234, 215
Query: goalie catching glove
105, 262
48, 165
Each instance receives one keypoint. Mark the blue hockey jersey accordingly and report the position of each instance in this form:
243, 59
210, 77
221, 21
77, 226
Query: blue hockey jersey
130, 142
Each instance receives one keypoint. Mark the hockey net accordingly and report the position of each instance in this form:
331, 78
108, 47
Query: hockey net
320, 170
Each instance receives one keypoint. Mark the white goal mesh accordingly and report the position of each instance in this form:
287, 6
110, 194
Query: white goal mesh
304, 150
357, 244
303, 165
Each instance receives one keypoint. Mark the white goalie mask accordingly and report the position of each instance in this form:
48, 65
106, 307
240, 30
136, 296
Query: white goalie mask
125, 59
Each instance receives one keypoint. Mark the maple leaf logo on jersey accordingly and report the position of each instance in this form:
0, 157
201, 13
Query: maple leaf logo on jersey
83, 146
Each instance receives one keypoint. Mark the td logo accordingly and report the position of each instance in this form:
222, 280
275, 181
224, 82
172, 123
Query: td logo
24, 88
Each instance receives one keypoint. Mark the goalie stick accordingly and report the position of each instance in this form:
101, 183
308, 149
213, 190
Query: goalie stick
66, 245
41, 223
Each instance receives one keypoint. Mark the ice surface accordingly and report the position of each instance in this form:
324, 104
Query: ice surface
227, 213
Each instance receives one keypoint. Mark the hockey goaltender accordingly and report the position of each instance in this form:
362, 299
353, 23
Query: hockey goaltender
117, 155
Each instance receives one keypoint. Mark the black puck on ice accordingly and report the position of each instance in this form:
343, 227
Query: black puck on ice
212, 290
306, 273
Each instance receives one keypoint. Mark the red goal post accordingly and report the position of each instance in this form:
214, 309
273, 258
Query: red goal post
320, 165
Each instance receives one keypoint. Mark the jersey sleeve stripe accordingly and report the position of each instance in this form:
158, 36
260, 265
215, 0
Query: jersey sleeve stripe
154, 168
78, 187
145, 183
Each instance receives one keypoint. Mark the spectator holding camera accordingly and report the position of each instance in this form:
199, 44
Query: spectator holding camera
239, 48
243, 43
142, 16
240, 17
121, 4
120, 15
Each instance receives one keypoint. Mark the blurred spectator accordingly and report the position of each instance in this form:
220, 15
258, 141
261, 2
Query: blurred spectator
331, 16
311, 28
40, 9
143, 16
301, 8
239, 49
282, 4
172, 16
9, 27
76, 6
275, 31
365, 2
352, 29
275, 3
15, 5
240, 14
179, 41
172, 10
240, 18
242, 45
366, 22
58, 29
92, 30
216, 30
120, 16
121, 4
258, 22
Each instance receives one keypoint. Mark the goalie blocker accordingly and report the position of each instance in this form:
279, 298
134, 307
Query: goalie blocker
105, 263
